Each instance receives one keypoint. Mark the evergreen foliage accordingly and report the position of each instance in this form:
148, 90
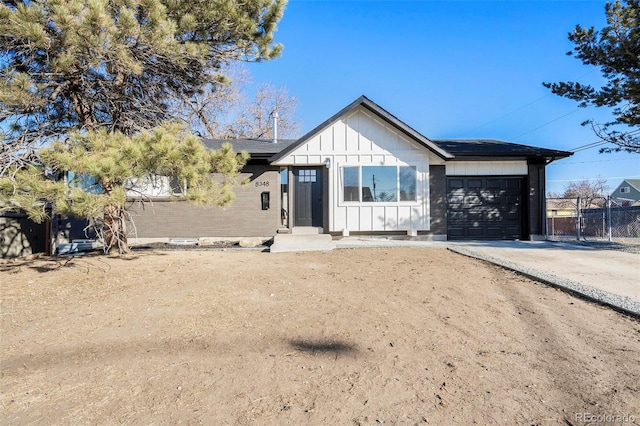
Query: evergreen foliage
615, 49
87, 87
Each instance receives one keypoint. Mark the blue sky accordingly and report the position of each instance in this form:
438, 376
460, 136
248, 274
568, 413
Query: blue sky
449, 69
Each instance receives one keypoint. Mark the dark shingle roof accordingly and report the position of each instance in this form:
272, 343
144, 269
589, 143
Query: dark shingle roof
257, 148
447, 149
495, 148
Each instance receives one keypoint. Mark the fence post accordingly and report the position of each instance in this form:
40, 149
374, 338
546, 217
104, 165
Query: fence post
609, 216
578, 218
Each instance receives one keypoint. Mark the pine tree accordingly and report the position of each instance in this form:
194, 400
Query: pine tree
91, 81
616, 51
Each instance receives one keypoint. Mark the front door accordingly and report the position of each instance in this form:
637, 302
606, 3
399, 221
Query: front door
307, 197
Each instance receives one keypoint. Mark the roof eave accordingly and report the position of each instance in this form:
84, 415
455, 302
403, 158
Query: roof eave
378, 111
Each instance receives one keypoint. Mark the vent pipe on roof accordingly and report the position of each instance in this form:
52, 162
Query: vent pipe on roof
275, 126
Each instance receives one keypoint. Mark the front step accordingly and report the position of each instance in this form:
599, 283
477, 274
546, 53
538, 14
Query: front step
301, 242
306, 230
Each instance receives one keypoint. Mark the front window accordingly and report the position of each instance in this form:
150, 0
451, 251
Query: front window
379, 184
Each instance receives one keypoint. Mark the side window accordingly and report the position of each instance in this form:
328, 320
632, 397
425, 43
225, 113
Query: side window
351, 184
407, 183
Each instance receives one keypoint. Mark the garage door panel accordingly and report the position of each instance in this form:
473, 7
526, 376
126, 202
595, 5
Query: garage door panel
484, 208
512, 232
513, 184
472, 200
455, 215
455, 183
474, 183
492, 215
494, 231
512, 215
488, 198
512, 199
455, 196
456, 232
476, 232
494, 183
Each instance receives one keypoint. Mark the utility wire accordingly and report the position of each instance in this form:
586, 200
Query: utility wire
545, 124
595, 178
595, 161
589, 145
526, 105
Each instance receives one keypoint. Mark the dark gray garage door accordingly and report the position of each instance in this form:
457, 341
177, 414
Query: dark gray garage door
484, 208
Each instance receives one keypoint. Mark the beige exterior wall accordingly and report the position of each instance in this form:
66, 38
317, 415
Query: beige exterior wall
163, 218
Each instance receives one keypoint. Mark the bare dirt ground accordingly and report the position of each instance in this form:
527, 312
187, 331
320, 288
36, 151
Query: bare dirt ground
365, 336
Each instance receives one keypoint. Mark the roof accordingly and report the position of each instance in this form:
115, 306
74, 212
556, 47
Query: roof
447, 149
257, 148
381, 113
633, 182
496, 148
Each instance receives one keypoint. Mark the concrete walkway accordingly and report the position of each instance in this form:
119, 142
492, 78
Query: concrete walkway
610, 277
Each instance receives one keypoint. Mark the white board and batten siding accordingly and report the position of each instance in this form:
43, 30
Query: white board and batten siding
361, 139
486, 168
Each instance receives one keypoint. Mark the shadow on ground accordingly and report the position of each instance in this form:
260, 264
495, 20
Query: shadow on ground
332, 347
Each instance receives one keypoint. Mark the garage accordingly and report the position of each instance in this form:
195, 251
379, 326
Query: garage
483, 207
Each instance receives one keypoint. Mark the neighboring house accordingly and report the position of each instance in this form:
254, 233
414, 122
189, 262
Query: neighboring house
627, 193
562, 207
365, 171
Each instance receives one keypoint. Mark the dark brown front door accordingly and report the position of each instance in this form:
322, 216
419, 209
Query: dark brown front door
307, 197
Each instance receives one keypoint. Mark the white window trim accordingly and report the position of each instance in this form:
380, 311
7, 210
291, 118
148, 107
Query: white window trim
342, 202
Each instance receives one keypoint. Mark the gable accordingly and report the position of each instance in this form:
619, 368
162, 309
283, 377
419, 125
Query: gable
373, 110
629, 189
359, 133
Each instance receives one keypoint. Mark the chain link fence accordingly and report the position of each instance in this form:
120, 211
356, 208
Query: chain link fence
592, 219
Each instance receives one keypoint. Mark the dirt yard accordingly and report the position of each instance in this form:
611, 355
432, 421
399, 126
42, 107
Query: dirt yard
365, 336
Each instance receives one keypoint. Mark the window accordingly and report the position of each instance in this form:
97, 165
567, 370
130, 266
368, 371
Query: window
379, 184
307, 176
625, 190
84, 181
407, 183
177, 187
351, 182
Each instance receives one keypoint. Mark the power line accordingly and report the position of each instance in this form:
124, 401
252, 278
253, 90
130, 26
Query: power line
595, 161
509, 113
545, 124
589, 145
595, 178
526, 105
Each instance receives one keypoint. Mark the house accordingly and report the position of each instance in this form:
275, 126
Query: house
627, 193
364, 171
562, 207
